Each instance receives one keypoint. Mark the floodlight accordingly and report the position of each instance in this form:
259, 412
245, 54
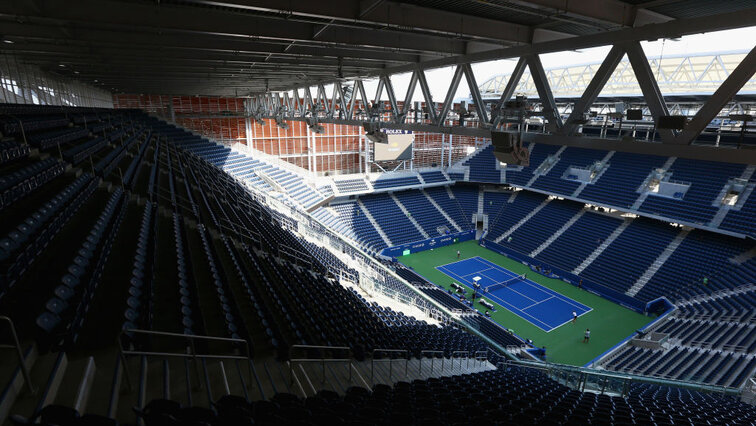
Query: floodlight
312, 122
373, 132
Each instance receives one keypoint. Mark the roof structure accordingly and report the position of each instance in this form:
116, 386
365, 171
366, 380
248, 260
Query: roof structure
242, 47
681, 76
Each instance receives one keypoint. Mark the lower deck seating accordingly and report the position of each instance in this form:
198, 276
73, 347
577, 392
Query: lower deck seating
529, 397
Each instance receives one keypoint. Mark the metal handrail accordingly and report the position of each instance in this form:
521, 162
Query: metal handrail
552, 368
193, 351
390, 362
19, 353
432, 358
463, 354
323, 360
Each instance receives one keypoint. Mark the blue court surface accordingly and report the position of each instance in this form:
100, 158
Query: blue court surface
543, 307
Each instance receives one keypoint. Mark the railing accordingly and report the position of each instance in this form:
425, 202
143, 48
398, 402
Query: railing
406, 359
19, 352
191, 347
309, 225
589, 379
348, 360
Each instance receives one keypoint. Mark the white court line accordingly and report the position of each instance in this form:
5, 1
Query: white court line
539, 287
570, 320
536, 303
520, 313
501, 302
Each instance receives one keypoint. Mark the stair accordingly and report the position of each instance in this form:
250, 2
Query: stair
375, 224
522, 221
724, 209
409, 216
649, 273
644, 194
744, 257
600, 249
16, 384
719, 294
582, 186
481, 202
440, 210
47, 375
538, 173
556, 235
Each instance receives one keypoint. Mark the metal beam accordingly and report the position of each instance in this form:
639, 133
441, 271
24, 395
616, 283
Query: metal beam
649, 87
676, 28
162, 17
514, 80
604, 11
387, 14
429, 105
551, 114
737, 78
408, 97
594, 88
453, 85
480, 107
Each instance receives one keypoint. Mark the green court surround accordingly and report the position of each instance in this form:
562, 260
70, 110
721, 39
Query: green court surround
609, 322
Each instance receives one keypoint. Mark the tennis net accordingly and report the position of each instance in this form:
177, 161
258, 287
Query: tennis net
506, 283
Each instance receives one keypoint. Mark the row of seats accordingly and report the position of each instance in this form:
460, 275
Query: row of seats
24, 181
10, 150
529, 397
688, 364
65, 310
21, 246
51, 139
620, 183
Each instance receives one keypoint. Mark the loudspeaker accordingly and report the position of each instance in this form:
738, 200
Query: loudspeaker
635, 114
507, 149
673, 122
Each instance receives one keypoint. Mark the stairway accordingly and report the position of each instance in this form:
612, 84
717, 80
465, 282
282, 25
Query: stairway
409, 215
600, 249
375, 224
582, 186
440, 210
556, 235
538, 172
723, 208
644, 194
649, 273
57, 378
746, 288
481, 202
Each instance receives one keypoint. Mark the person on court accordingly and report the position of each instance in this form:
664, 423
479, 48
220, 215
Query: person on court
574, 317
587, 336
458, 254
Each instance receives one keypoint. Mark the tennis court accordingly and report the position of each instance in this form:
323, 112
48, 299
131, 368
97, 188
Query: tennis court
542, 307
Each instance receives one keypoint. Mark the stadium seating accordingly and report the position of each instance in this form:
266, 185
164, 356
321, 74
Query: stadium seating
176, 242
529, 398
483, 166
391, 219
429, 219
389, 182
619, 184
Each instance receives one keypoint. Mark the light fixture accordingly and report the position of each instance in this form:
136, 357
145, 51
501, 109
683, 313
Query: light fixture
373, 132
312, 122
8, 41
